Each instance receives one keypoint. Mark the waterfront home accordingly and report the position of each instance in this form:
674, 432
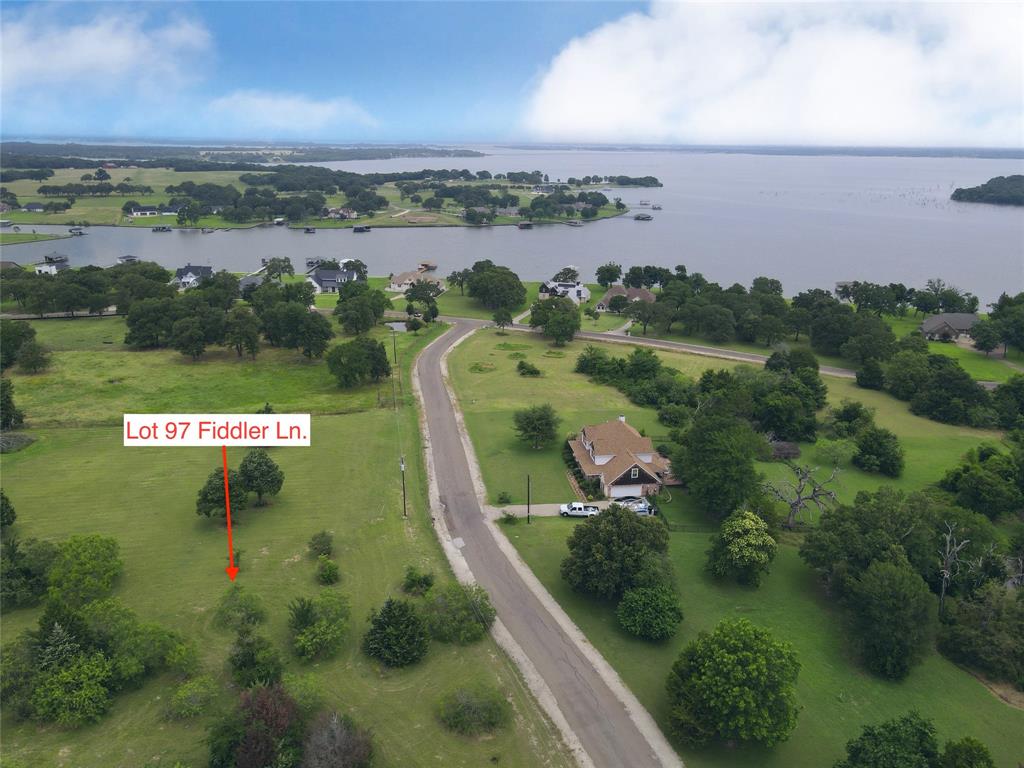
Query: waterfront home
32, 207
578, 292
631, 294
404, 280
623, 460
141, 211
51, 264
330, 280
190, 276
948, 326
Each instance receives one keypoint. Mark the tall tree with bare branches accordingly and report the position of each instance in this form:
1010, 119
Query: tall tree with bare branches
802, 491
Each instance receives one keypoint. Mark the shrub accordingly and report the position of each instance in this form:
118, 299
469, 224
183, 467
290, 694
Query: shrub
321, 543
460, 613
319, 625
417, 582
193, 696
74, 693
879, 450
254, 661
504, 498
335, 741
397, 636
85, 569
473, 711
33, 357
306, 690
871, 375
326, 570
508, 517
651, 613
182, 659
527, 369
238, 609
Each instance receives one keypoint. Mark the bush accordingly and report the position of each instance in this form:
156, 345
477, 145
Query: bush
318, 625
73, 693
33, 357
871, 375
527, 369
651, 613
254, 661
238, 609
504, 498
460, 613
321, 543
397, 636
473, 711
879, 450
416, 582
326, 570
193, 696
335, 741
85, 569
182, 659
306, 690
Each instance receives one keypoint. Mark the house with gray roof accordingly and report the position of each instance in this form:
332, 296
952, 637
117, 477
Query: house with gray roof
948, 326
330, 280
190, 276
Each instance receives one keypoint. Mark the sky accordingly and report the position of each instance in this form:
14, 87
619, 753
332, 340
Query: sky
850, 74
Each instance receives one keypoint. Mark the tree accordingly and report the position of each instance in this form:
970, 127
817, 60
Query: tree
618, 304
33, 357
459, 278
260, 474
356, 315
413, 325
743, 549
651, 613
734, 684
716, 461
398, 635
84, 569
7, 513
879, 450
188, 337
502, 318
473, 711
210, 501
314, 334
242, 331
335, 741
614, 552
459, 613
496, 287
892, 618
278, 266
13, 334
987, 335
10, 416
871, 375
536, 425
562, 325
905, 742
966, 753
608, 274
254, 661
643, 312
805, 490
567, 275
906, 373
318, 625
358, 361
74, 693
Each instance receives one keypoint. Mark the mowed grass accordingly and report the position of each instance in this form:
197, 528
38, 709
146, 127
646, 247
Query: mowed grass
346, 482
14, 238
837, 697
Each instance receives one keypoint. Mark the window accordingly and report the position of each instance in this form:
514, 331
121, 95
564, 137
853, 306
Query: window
634, 473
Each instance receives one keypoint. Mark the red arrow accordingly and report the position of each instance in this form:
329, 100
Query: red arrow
231, 570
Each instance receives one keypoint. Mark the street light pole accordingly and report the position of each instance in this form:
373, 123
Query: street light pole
527, 499
401, 464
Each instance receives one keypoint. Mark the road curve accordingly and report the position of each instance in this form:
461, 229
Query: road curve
592, 710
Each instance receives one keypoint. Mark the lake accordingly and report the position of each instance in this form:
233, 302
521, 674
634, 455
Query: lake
809, 220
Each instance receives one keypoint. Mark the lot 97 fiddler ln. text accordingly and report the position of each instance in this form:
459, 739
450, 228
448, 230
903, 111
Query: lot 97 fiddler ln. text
215, 429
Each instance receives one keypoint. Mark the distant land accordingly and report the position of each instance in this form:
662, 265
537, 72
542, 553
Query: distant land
775, 149
1002, 190
228, 153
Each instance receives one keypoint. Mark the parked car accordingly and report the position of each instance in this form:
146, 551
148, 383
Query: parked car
578, 509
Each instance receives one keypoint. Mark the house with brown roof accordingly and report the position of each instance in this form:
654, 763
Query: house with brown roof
623, 460
404, 280
631, 294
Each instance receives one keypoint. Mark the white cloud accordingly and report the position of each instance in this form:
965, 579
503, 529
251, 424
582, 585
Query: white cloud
252, 114
114, 50
850, 74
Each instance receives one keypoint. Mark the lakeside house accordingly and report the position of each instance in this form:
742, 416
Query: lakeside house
405, 280
32, 207
631, 294
142, 211
623, 460
330, 280
948, 326
190, 276
51, 264
253, 278
578, 292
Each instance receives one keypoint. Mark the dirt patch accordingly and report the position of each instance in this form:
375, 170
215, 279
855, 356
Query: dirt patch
421, 219
1003, 691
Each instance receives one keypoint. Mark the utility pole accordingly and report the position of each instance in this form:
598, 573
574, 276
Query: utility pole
401, 464
527, 499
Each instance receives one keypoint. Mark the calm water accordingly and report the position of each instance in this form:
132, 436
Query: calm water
810, 221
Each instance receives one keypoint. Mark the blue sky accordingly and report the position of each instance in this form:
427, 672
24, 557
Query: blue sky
879, 74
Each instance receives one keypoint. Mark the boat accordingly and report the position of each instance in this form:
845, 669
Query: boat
310, 263
76, 231
574, 223
655, 207
55, 258
127, 259
208, 230
525, 225
5, 222
643, 217
645, 202
361, 229
162, 229
309, 230
279, 221
427, 266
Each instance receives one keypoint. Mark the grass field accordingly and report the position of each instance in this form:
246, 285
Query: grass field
16, 238
837, 697
490, 390
347, 482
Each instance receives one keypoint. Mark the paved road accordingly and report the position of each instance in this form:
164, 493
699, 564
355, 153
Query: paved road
594, 713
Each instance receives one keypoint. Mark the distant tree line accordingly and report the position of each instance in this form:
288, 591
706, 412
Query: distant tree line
100, 189
1001, 190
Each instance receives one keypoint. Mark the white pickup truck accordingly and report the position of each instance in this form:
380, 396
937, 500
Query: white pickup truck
578, 509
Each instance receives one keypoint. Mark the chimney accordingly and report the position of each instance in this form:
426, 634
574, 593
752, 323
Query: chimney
622, 418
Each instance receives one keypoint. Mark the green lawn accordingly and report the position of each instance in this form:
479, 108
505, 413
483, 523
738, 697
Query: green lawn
837, 697
174, 560
14, 238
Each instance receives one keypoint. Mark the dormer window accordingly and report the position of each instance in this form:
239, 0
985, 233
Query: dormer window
634, 473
